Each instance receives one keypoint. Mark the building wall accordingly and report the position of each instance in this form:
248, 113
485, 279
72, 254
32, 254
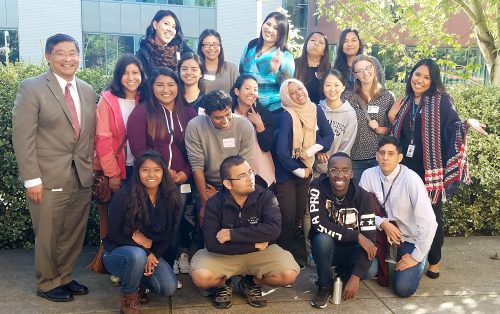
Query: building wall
41, 19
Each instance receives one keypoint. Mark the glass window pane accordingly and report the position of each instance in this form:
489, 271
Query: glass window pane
94, 50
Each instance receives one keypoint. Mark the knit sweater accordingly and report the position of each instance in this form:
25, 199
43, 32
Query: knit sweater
208, 146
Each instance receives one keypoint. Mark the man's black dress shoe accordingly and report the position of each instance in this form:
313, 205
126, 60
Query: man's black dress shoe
75, 288
58, 294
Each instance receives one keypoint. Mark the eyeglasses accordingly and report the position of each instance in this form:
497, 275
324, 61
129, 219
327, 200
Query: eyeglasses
210, 45
337, 172
368, 68
244, 176
64, 55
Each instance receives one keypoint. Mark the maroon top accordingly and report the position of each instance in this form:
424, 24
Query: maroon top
171, 148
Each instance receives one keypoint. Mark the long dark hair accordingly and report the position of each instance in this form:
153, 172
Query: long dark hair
340, 58
237, 84
151, 32
283, 27
157, 126
136, 215
116, 87
205, 34
437, 85
301, 69
182, 87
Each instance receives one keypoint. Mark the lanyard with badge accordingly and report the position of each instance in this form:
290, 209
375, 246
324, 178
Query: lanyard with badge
414, 111
386, 197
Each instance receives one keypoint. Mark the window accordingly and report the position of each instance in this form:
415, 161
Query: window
102, 50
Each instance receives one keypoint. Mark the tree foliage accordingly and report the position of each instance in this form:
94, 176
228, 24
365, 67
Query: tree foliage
388, 23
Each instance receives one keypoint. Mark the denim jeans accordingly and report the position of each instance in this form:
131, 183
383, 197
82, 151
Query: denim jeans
358, 166
128, 262
327, 252
406, 282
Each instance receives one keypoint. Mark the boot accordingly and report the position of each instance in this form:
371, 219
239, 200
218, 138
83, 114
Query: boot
143, 294
130, 303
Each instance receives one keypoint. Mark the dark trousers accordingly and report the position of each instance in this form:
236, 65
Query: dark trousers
292, 199
435, 251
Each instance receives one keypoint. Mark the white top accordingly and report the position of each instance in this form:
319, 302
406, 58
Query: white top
126, 107
408, 204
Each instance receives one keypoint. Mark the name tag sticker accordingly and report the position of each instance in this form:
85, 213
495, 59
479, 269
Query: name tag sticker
410, 151
201, 111
373, 109
178, 55
229, 142
57, 190
209, 77
185, 188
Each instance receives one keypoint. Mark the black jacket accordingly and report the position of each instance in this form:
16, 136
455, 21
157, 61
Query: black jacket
161, 229
258, 221
345, 221
144, 55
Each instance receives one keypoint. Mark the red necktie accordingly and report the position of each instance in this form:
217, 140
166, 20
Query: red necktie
72, 110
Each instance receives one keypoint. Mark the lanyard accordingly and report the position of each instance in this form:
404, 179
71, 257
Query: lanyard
414, 111
386, 197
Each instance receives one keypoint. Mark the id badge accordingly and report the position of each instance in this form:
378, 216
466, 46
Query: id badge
178, 55
201, 111
410, 151
373, 109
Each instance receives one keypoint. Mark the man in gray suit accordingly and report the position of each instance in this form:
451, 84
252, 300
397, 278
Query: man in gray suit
53, 137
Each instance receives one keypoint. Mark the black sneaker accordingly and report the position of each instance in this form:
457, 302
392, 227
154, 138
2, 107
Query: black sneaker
321, 299
252, 292
222, 298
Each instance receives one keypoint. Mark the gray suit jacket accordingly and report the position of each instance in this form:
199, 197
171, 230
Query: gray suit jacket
44, 140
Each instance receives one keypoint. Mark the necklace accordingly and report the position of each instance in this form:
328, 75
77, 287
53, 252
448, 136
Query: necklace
338, 200
312, 64
261, 52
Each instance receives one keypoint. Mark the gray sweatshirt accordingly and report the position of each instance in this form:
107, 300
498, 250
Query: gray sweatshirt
208, 146
344, 125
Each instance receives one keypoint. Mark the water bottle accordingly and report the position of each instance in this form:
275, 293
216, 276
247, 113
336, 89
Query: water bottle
337, 291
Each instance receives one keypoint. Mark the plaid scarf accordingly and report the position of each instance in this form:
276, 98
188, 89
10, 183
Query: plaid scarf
444, 170
163, 56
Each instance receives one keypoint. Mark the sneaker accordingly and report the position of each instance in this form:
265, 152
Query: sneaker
321, 299
222, 298
183, 263
176, 267
179, 284
310, 261
252, 292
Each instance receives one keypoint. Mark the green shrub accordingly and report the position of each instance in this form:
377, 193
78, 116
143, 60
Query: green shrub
474, 210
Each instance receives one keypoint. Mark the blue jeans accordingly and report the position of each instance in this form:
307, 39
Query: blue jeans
128, 262
405, 282
358, 166
327, 252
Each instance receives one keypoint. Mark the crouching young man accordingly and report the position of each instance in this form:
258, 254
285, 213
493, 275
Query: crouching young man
409, 222
342, 229
239, 227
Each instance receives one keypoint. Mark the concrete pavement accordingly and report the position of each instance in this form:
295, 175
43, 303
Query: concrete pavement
469, 283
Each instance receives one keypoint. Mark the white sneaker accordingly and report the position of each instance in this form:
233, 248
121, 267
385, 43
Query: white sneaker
184, 263
175, 267
179, 284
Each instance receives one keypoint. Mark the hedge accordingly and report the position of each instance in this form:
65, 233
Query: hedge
475, 210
